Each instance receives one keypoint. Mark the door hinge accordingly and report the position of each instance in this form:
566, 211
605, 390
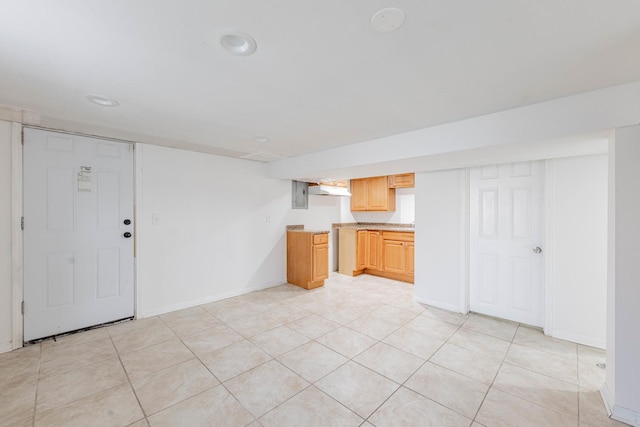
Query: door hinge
22, 223
22, 307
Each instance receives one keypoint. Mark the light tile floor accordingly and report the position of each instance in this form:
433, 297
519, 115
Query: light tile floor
358, 351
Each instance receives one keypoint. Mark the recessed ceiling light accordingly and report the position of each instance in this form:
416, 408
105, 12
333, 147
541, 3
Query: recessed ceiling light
100, 100
387, 20
262, 139
237, 42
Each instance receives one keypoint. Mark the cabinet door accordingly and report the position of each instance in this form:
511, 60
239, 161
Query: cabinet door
360, 194
405, 180
378, 193
394, 256
410, 257
361, 250
373, 250
320, 262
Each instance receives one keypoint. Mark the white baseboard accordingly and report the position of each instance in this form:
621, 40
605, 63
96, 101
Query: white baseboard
617, 412
205, 300
438, 304
580, 339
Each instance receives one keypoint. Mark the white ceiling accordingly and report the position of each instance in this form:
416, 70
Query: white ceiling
320, 78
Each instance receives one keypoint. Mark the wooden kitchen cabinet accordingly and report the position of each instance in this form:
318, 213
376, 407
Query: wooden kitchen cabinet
373, 250
372, 194
307, 258
403, 180
361, 249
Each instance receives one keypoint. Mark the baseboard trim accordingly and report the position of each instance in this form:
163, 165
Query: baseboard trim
617, 412
206, 300
580, 339
437, 304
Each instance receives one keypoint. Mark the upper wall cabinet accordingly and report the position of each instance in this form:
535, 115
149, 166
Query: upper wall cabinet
372, 194
403, 180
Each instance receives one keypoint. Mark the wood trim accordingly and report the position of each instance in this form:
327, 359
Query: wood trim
389, 275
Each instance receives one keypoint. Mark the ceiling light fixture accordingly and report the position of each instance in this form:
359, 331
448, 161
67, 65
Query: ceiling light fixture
262, 139
100, 100
237, 42
387, 20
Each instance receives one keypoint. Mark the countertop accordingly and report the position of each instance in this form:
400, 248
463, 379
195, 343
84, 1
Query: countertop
310, 231
406, 228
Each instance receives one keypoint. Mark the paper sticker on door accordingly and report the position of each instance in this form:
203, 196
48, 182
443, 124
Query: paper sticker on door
84, 178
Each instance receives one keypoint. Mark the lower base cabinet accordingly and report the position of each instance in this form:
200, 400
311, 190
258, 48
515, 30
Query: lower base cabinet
307, 258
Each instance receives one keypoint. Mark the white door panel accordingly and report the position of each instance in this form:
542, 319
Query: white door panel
78, 264
506, 276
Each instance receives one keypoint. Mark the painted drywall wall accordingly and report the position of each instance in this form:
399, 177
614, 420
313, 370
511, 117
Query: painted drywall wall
623, 317
440, 252
211, 227
578, 252
404, 213
544, 130
5, 237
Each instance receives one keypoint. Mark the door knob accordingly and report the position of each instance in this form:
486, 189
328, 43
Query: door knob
127, 221
127, 235
537, 250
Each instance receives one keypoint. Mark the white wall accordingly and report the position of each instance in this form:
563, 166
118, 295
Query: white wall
212, 239
5, 237
621, 390
440, 253
578, 227
404, 213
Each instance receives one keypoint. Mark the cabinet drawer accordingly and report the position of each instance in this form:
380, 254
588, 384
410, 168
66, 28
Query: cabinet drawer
320, 239
398, 235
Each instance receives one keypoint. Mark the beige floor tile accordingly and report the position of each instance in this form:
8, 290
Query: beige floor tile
28, 352
407, 408
185, 313
25, 422
388, 361
414, 342
448, 388
143, 337
358, 388
310, 408
253, 325
503, 329
590, 376
77, 338
593, 412
540, 389
206, 342
132, 325
312, 361
480, 343
18, 370
198, 321
17, 402
468, 363
344, 315
215, 407
64, 358
446, 316
394, 315
142, 423
235, 359
591, 354
373, 327
172, 385
265, 387
346, 341
535, 338
561, 367
432, 327
144, 362
503, 410
230, 309
313, 326
287, 312
476, 424
113, 407
279, 340
58, 390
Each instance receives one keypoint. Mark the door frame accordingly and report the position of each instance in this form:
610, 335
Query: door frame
17, 236
547, 235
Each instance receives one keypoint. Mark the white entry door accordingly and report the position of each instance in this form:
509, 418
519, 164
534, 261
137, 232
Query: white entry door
78, 232
506, 258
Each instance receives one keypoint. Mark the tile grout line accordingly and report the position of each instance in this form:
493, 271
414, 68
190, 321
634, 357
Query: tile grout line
144, 413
